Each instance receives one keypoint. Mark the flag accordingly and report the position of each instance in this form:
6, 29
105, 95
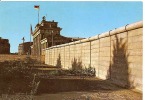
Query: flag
36, 7
31, 31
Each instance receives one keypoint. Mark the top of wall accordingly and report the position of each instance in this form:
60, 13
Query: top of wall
125, 28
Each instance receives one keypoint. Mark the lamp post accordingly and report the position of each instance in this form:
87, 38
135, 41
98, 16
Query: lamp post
23, 45
52, 36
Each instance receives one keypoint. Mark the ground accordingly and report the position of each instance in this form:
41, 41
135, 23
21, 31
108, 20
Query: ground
95, 95
103, 90
55, 87
73, 89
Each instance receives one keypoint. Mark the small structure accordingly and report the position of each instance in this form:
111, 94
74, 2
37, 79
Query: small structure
24, 48
4, 46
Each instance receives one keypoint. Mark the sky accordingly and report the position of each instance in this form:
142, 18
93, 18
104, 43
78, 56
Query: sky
76, 18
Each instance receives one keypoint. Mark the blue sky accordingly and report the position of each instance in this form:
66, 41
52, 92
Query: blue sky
77, 19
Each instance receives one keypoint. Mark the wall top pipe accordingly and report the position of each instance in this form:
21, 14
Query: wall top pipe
134, 26
104, 35
94, 38
128, 27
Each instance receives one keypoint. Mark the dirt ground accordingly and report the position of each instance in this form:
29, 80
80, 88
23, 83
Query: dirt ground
88, 95
90, 89
72, 88
92, 95
78, 89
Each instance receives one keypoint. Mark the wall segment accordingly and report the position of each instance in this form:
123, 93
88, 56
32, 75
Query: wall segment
115, 55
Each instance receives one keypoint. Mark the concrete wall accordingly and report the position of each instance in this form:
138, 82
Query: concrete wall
116, 55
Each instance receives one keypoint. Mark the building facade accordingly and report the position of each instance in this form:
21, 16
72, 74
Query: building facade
47, 34
25, 48
4, 46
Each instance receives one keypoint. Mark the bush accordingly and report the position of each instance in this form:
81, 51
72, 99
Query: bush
90, 71
14, 69
17, 77
76, 65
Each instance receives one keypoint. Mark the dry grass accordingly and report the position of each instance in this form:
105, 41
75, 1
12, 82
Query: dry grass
17, 78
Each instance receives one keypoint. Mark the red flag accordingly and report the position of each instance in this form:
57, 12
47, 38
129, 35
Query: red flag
36, 7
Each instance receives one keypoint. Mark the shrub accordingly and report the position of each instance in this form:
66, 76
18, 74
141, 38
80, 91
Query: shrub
76, 65
17, 77
78, 70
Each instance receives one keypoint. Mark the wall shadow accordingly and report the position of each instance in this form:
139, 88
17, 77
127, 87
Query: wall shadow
118, 71
58, 63
52, 86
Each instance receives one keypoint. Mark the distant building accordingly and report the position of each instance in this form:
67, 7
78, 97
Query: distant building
4, 46
24, 48
47, 34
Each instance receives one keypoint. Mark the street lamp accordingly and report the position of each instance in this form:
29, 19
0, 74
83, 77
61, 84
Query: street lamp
23, 45
52, 36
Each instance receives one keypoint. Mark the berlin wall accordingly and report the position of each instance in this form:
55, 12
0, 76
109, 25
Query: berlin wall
115, 55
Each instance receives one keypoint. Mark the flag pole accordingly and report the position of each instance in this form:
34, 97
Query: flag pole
38, 16
30, 32
30, 41
37, 7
